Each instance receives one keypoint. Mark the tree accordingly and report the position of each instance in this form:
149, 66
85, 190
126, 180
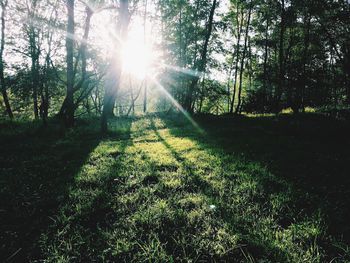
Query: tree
239, 25
281, 82
3, 4
201, 65
238, 108
69, 114
144, 35
298, 60
34, 52
114, 71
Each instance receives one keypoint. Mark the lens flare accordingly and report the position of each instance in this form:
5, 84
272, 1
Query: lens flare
136, 59
177, 105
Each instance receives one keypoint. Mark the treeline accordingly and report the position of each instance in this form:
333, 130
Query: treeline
218, 56
276, 54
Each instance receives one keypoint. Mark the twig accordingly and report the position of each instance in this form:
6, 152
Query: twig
13, 255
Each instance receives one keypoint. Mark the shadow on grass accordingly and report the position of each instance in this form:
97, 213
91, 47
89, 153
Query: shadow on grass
37, 167
253, 244
161, 191
78, 227
309, 153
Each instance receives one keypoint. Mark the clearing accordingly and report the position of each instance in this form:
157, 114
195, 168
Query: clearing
157, 189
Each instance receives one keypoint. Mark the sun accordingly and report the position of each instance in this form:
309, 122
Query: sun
136, 52
136, 59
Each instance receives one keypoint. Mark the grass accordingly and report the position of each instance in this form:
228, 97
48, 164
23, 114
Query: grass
156, 189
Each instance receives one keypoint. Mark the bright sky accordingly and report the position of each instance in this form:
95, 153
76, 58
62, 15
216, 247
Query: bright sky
139, 55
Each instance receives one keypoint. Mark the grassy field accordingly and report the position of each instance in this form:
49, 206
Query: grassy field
158, 189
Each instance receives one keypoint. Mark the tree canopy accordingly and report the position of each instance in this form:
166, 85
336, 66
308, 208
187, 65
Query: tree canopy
106, 58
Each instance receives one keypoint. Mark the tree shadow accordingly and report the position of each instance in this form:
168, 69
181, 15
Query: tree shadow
194, 183
310, 152
89, 198
38, 165
89, 208
312, 163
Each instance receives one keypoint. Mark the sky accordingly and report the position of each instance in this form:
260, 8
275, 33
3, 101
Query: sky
101, 34
104, 24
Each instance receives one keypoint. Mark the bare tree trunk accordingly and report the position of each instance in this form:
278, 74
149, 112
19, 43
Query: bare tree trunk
145, 98
228, 86
144, 35
250, 68
45, 96
132, 97
83, 49
201, 96
347, 84
242, 60
203, 61
114, 71
301, 90
239, 29
346, 69
44, 108
69, 115
2, 47
266, 55
281, 59
34, 55
82, 82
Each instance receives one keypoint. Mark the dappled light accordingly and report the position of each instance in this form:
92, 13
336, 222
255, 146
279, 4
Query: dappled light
156, 188
176, 104
177, 190
174, 131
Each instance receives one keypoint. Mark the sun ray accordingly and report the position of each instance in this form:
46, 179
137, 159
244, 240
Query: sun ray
37, 23
136, 59
187, 71
177, 104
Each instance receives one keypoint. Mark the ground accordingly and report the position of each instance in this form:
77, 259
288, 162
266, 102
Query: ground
160, 189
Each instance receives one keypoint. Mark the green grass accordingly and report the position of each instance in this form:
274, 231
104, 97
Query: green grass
156, 189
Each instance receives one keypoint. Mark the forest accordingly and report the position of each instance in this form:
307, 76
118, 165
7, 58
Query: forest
174, 131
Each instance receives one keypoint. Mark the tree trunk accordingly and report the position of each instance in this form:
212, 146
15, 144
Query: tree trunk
281, 60
83, 49
145, 98
45, 103
2, 47
82, 83
34, 55
242, 61
228, 86
144, 40
114, 72
266, 55
202, 62
45, 97
239, 29
347, 84
69, 114
346, 69
301, 91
